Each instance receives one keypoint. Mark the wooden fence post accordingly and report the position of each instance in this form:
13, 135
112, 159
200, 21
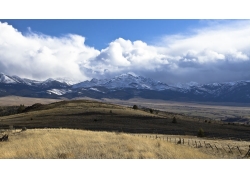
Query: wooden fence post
248, 152
239, 149
200, 144
230, 149
211, 146
224, 148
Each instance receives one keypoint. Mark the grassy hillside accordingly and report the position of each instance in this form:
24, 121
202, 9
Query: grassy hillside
70, 144
99, 116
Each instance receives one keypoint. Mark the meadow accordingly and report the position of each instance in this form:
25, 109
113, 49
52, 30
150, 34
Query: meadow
82, 144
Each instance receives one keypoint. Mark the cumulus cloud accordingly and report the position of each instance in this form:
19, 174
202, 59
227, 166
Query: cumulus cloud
39, 56
215, 53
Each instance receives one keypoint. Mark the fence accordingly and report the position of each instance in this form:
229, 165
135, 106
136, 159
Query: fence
241, 151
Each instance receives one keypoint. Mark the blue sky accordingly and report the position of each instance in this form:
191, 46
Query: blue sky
170, 50
99, 33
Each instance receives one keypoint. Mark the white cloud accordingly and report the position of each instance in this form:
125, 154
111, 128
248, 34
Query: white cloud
216, 53
40, 56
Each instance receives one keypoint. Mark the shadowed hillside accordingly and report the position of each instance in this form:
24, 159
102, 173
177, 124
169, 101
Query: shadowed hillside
99, 116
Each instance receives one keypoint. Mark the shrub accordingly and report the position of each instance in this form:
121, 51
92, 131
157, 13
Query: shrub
24, 128
201, 133
110, 112
151, 111
20, 108
174, 120
135, 107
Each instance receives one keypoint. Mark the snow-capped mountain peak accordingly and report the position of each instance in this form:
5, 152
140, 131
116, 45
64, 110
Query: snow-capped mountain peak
127, 75
66, 81
186, 85
6, 79
126, 85
128, 80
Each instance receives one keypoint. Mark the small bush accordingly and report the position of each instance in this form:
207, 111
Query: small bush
20, 108
24, 128
151, 111
66, 156
110, 112
135, 107
201, 133
174, 120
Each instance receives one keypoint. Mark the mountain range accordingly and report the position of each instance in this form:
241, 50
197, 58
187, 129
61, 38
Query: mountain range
126, 86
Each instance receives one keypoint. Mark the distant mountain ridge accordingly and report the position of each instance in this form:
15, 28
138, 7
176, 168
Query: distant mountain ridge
15, 80
126, 86
125, 81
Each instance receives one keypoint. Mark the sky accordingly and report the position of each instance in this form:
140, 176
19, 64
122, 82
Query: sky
168, 50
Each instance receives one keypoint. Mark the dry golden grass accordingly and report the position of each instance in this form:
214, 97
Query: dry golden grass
215, 147
80, 144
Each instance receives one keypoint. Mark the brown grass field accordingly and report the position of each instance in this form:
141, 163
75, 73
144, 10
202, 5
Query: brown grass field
111, 129
81, 144
27, 101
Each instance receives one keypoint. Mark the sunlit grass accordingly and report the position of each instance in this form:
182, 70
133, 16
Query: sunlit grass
80, 144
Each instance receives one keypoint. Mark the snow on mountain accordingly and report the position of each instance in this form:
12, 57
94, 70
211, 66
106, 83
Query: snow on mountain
93, 82
25, 81
61, 86
129, 80
59, 92
67, 81
16, 80
7, 79
95, 89
185, 85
